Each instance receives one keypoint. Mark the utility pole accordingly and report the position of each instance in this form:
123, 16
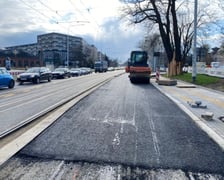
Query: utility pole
194, 60
67, 62
68, 40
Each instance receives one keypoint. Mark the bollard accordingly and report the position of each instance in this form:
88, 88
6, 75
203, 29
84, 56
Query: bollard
157, 74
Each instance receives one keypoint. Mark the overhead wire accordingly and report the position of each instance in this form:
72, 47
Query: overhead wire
48, 17
88, 9
97, 27
61, 22
94, 20
55, 11
40, 12
81, 13
78, 10
36, 10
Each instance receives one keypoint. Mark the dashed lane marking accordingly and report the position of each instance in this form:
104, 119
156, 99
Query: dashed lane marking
179, 95
7, 95
213, 100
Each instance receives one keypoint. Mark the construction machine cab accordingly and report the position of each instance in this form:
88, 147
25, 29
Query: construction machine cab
138, 67
138, 58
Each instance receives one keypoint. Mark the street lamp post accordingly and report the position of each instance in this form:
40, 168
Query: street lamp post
67, 39
67, 62
194, 60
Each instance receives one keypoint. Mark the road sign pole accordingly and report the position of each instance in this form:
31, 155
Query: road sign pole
194, 59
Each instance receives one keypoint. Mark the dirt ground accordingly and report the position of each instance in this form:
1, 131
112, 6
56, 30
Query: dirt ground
219, 86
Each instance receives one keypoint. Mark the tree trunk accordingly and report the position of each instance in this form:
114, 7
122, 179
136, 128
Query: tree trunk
175, 67
172, 65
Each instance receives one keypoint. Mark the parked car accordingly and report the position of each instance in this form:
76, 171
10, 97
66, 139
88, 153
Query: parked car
6, 79
75, 72
85, 70
35, 75
61, 73
111, 69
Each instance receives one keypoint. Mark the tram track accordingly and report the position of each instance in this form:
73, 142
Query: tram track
16, 137
23, 97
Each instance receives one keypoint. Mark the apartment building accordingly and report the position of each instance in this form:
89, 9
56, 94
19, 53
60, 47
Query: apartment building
58, 49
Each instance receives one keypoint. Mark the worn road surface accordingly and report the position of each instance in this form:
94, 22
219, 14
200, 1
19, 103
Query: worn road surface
121, 131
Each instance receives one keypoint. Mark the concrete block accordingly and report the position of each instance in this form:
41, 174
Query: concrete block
208, 116
186, 86
221, 118
167, 82
197, 104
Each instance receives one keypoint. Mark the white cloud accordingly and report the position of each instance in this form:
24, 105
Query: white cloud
96, 19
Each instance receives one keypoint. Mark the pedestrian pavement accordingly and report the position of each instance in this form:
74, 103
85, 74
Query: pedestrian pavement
185, 94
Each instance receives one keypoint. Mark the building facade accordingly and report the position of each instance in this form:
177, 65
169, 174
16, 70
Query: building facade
59, 49
55, 49
31, 49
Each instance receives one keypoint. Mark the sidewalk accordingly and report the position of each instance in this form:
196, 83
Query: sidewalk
183, 93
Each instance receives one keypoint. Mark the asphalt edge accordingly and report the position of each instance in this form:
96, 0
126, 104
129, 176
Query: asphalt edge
11, 148
202, 87
209, 131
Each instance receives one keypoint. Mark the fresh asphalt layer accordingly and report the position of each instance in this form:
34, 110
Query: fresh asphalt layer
131, 124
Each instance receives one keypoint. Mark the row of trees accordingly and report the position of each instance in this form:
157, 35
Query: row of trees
174, 21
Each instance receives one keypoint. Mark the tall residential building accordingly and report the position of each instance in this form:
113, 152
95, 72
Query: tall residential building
58, 49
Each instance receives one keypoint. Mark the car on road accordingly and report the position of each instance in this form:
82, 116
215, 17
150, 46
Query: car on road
75, 72
35, 75
6, 79
61, 73
111, 68
85, 70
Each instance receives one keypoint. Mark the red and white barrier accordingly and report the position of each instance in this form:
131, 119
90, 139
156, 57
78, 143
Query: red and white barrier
15, 72
157, 74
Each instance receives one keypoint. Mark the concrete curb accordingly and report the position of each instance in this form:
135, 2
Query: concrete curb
211, 133
10, 149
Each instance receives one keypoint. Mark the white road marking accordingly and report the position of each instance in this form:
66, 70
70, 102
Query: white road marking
122, 128
107, 173
154, 139
136, 130
116, 140
57, 172
134, 114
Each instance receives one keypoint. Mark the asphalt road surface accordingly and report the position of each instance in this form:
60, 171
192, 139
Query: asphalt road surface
130, 125
27, 101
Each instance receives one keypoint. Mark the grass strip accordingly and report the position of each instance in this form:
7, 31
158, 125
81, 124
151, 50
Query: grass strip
201, 79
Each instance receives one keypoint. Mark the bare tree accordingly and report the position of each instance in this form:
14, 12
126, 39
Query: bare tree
150, 42
162, 13
221, 50
174, 19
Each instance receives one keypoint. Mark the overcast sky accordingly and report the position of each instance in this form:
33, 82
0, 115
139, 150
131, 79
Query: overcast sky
97, 21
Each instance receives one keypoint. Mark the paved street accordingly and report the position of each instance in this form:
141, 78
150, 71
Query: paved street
129, 124
28, 101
